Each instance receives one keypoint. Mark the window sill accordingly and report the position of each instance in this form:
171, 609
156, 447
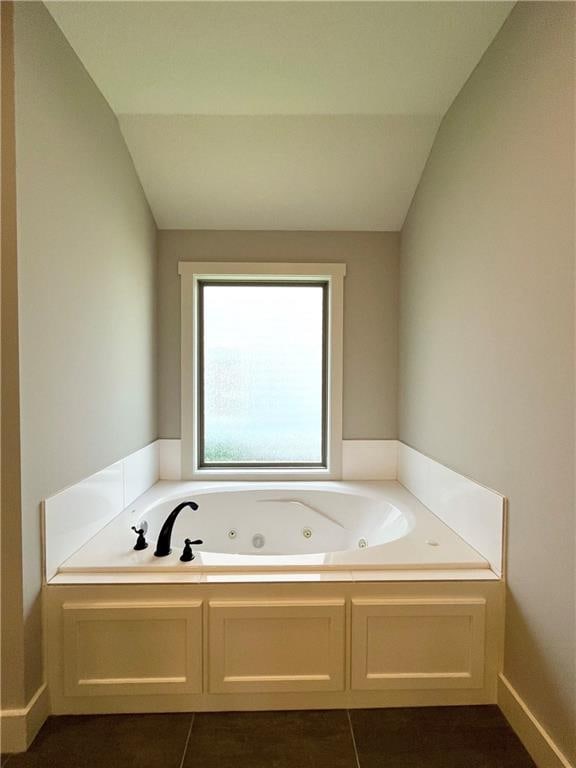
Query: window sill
264, 474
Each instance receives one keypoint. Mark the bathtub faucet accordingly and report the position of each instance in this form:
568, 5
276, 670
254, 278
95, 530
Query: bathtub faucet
163, 543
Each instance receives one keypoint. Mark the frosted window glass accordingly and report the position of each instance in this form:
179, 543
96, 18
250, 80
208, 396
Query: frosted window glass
262, 373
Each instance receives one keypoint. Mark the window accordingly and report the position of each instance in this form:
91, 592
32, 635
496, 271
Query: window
261, 369
262, 373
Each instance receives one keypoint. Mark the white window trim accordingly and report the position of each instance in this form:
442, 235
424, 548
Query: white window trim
191, 273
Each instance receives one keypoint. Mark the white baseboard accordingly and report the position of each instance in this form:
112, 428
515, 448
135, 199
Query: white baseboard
531, 733
20, 726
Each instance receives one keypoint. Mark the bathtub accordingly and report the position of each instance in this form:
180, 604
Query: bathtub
303, 595
294, 526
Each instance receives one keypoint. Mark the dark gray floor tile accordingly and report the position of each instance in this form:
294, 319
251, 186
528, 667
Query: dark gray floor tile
437, 737
305, 739
108, 741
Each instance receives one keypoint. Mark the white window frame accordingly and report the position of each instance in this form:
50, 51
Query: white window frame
191, 273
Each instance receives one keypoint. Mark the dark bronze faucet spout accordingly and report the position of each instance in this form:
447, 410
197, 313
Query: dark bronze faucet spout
163, 543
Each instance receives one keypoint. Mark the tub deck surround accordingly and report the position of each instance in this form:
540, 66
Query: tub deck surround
75, 514
476, 515
307, 527
272, 577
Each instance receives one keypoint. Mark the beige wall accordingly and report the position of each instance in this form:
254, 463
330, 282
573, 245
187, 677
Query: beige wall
12, 669
87, 266
370, 319
486, 329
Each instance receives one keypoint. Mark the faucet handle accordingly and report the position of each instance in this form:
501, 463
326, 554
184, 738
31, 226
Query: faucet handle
141, 542
187, 554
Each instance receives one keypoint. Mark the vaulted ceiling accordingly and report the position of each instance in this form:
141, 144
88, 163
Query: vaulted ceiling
279, 115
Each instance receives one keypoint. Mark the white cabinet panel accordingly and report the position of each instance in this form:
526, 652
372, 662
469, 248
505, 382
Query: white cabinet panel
276, 646
132, 648
418, 644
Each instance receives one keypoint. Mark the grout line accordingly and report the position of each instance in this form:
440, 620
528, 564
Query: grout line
353, 739
187, 741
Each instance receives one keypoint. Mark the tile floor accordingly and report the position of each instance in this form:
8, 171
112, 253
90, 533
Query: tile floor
433, 737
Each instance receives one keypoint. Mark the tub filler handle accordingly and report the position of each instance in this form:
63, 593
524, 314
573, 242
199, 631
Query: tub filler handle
308, 507
187, 555
141, 542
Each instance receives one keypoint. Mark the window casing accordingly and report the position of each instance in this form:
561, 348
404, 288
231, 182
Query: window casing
196, 281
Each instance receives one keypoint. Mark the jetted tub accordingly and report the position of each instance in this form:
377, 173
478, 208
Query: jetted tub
302, 526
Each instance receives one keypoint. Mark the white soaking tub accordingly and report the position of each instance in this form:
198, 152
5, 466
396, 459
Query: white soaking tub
303, 595
298, 526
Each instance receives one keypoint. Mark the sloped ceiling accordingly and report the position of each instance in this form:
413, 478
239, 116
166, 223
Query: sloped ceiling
279, 115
